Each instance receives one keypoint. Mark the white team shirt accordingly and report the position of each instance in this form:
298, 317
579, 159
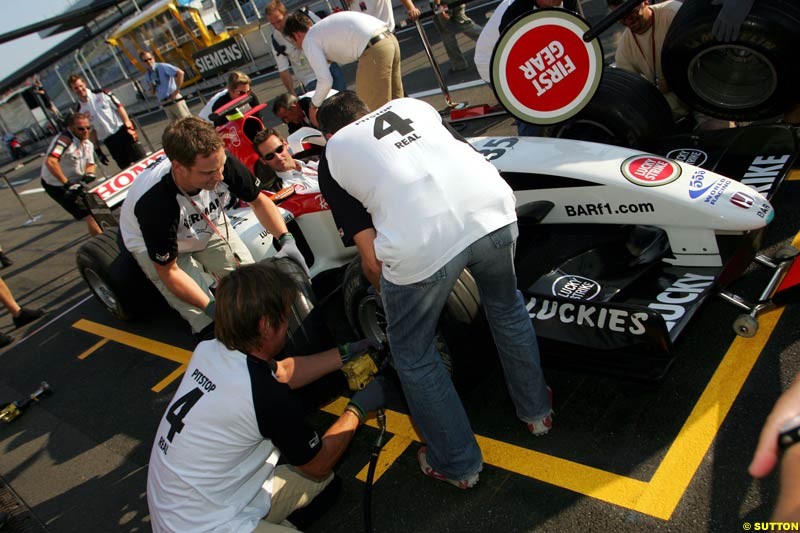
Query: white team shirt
487, 40
429, 194
215, 472
380, 9
102, 109
73, 156
341, 38
305, 180
293, 56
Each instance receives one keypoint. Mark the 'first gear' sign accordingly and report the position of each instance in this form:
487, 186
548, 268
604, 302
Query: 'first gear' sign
542, 70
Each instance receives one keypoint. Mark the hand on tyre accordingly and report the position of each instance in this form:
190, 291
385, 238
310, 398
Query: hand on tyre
730, 18
353, 350
378, 299
289, 249
371, 398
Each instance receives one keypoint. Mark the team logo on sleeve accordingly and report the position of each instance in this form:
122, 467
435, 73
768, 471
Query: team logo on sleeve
542, 70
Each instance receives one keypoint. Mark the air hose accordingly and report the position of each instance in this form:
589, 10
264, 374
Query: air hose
373, 462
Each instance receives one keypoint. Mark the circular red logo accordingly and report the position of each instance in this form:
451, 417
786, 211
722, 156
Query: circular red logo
542, 70
650, 170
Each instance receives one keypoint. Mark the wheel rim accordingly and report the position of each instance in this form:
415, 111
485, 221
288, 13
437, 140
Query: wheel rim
101, 290
732, 77
371, 319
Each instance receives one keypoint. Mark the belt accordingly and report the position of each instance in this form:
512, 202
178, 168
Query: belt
375, 39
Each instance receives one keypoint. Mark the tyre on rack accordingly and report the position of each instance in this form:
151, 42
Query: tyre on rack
751, 78
626, 110
463, 339
114, 276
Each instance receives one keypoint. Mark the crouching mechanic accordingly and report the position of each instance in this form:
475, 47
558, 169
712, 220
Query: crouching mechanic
173, 219
213, 461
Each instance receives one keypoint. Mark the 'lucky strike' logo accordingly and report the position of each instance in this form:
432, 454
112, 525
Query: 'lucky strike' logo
650, 170
542, 70
576, 288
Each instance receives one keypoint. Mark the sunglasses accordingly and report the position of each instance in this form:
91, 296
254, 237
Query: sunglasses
148, 59
270, 156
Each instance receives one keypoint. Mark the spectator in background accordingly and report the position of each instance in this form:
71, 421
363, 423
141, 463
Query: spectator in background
165, 81
69, 161
781, 434
347, 37
112, 126
20, 315
286, 54
47, 105
238, 85
449, 23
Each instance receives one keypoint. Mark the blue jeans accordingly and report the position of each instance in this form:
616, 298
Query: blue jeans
412, 312
338, 77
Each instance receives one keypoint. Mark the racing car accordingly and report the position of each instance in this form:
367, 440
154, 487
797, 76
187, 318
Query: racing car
618, 248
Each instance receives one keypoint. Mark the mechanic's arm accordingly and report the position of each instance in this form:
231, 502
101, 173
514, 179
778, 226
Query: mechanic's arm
787, 508
127, 122
181, 284
54, 167
365, 242
300, 371
287, 80
411, 9
268, 214
90, 170
334, 443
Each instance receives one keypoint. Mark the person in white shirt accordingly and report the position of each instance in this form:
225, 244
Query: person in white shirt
273, 150
346, 37
287, 55
112, 126
422, 205
380, 9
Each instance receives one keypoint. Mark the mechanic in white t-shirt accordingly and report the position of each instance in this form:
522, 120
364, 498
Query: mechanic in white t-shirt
173, 219
213, 465
273, 150
69, 161
112, 126
346, 37
422, 205
287, 55
380, 9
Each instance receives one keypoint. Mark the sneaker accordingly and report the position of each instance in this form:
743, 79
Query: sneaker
5, 260
545, 424
5, 340
26, 316
430, 472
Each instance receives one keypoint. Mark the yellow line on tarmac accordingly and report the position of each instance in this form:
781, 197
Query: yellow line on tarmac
793, 174
93, 349
160, 349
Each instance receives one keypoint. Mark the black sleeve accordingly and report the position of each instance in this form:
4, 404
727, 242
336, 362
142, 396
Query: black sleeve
157, 212
239, 179
280, 416
350, 215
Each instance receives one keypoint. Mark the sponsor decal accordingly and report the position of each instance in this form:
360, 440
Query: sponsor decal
716, 190
230, 136
124, 179
650, 170
690, 156
698, 185
576, 288
586, 210
323, 204
588, 316
765, 211
542, 70
219, 58
672, 302
742, 200
763, 171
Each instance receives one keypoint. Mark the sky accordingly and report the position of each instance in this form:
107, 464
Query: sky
17, 53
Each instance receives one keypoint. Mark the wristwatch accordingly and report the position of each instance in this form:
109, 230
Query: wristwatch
789, 433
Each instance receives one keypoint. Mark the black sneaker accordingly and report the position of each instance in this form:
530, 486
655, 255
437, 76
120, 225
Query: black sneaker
5, 340
5, 260
26, 316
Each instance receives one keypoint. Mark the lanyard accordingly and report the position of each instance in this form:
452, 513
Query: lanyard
653, 49
213, 226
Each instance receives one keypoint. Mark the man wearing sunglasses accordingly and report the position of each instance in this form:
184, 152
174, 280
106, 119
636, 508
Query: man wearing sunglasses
273, 151
70, 159
164, 81
173, 220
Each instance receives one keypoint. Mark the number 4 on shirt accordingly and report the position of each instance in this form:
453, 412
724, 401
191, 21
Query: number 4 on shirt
388, 122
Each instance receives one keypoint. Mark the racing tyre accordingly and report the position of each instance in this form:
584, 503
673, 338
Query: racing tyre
626, 110
114, 276
463, 338
752, 78
745, 326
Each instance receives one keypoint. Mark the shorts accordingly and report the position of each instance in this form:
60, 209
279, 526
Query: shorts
74, 204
